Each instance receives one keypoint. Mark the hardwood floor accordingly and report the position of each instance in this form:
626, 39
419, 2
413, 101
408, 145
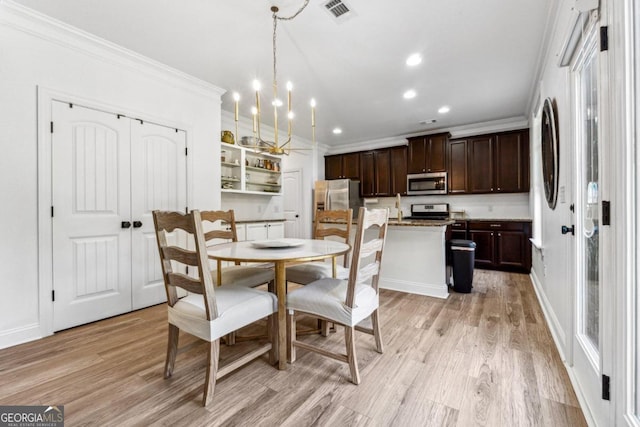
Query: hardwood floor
485, 358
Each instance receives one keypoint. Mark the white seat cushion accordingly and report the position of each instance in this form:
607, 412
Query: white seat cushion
312, 271
326, 298
244, 275
237, 307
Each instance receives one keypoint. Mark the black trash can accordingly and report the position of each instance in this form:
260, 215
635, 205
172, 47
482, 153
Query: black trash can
462, 258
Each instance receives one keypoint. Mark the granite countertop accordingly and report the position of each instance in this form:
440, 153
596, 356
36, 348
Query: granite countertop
495, 219
246, 221
409, 222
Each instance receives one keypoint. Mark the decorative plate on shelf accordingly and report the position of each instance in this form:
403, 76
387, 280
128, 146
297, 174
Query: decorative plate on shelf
277, 243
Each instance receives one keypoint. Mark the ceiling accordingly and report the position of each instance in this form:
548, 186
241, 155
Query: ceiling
480, 58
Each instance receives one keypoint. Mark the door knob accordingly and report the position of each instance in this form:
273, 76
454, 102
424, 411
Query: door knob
137, 224
571, 230
125, 224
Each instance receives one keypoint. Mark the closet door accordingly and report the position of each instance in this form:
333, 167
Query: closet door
158, 181
91, 208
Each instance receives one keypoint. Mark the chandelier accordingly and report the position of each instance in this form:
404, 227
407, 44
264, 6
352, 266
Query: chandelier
279, 145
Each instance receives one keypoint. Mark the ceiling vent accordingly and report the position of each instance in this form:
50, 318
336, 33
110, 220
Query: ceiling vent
338, 9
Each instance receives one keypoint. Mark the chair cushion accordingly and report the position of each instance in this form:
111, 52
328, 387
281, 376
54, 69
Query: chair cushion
237, 307
312, 271
243, 275
326, 298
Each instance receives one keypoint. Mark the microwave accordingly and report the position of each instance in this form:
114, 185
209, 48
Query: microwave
427, 183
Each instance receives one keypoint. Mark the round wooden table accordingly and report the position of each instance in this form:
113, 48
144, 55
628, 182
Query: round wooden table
301, 250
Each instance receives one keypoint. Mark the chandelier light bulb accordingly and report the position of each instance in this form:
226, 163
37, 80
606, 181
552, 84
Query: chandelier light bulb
414, 60
236, 96
290, 115
289, 86
254, 111
313, 103
256, 85
277, 102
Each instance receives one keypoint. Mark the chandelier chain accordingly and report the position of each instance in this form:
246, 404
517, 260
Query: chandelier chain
276, 18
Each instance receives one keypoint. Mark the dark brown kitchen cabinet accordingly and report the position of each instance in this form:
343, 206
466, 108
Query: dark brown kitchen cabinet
399, 170
512, 162
457, 230
457, 158
342, 166
481, 164
375, 173
501, 245
498, 163
427, 153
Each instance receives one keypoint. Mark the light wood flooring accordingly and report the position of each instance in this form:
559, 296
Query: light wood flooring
485, 358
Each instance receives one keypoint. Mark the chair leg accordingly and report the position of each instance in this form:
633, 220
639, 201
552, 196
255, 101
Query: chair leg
324, 327
272, 333
212, 370
291, 336
172, 350
349, 335
375, 325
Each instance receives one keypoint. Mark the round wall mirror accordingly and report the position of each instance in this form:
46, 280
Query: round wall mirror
549, 133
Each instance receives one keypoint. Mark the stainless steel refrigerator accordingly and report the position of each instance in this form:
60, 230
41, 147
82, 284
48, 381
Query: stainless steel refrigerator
337, 194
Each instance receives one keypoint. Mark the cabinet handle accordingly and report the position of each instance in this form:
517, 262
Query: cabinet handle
499, 234
137, 224
498, 188
495, 225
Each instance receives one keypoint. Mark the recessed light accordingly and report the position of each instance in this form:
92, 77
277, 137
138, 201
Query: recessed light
409, 94
414, 59
444, 109
337, 131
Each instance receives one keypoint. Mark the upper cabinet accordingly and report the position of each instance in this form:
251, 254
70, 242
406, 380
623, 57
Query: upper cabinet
427, 153
457, 158
399, 170
495, 163
375, 176
341, 166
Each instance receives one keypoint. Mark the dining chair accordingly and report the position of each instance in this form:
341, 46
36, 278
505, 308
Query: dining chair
346, 302
207, 312
325, 224
238, 275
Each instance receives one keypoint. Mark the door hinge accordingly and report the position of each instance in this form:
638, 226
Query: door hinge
186, 209
606, 212
51, 127
53, 295
604, 38
51, 211
186, 151
606, 387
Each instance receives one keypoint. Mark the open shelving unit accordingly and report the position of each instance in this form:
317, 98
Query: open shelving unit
246, 171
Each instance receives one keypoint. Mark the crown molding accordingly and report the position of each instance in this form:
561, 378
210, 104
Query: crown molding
29, 21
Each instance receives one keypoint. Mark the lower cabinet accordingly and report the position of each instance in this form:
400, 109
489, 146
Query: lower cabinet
458, 231
264, 230
502, 245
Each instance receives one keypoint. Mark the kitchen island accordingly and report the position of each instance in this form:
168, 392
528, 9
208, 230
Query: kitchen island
414, 258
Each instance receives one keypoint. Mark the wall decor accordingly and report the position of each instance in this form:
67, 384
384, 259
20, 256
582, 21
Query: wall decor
550, 164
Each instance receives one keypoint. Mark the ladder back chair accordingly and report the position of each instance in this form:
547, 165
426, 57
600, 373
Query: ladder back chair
346, 302
325, 224
238, 275
207, 312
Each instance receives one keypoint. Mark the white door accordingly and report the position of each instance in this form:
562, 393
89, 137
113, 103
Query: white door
158, 181
592, 334
91, 201
292, 189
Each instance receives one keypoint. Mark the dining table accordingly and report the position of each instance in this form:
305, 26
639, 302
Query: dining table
280, 252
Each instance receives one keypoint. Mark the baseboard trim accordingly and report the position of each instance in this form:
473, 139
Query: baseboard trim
559, 338
21, 335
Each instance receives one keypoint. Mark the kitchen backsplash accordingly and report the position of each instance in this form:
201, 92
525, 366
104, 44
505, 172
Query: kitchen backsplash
249, 208
491, 206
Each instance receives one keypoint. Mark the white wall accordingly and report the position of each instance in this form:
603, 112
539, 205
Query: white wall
41, 53
550, 263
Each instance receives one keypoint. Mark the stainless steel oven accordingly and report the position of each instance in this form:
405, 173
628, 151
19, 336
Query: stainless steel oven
427, 183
